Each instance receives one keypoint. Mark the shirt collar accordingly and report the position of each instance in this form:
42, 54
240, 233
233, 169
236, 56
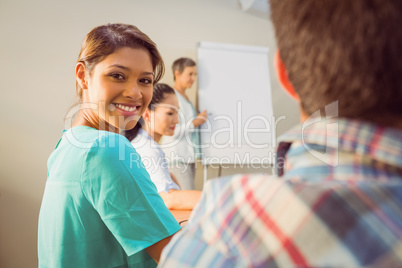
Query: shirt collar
351, 136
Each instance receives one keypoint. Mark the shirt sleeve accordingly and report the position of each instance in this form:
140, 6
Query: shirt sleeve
198, 243
116, 183
154, 161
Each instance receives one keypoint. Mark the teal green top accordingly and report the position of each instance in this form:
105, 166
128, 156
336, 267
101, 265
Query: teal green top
100, 208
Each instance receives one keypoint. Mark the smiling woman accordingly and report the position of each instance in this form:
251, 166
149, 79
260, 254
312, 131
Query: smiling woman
120, 86
120, 62
99, 210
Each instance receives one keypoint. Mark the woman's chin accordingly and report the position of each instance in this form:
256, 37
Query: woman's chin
128, 125
169, 133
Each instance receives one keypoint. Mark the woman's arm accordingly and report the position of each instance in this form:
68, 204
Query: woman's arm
181, 199
156, 249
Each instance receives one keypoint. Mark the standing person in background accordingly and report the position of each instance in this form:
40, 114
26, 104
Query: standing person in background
159, 119
338, 202
182, 149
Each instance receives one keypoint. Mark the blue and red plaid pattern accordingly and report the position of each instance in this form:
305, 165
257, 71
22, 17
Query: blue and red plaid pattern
343, 209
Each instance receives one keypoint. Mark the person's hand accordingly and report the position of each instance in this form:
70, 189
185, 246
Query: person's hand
200, 119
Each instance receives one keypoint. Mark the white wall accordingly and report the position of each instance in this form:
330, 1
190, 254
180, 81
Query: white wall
40, 42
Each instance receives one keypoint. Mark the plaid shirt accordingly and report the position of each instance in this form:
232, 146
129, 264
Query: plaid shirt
340, 205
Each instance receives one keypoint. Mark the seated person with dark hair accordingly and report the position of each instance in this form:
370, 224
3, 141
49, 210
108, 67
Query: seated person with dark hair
337, 198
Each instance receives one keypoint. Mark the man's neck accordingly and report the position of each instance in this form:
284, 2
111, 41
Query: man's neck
180, 89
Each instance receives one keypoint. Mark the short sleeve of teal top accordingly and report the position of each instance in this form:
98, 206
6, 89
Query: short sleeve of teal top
100, 208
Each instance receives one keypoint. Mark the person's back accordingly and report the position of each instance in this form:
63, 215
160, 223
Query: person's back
337, 198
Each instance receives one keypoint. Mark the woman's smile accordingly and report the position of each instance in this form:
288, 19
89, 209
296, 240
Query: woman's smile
127, 109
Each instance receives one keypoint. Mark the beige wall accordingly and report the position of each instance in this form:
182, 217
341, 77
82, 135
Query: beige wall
40, 41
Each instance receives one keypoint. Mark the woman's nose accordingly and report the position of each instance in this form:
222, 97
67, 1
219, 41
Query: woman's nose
176, 119
133, 92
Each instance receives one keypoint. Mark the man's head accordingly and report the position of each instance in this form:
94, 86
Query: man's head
343, 50
184, 72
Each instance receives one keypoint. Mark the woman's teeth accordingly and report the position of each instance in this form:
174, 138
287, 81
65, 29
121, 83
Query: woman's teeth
126, 108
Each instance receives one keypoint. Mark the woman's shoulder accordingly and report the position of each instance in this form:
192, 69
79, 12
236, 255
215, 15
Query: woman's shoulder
145, 145
142, 137
89, 137
110, 145
98, 143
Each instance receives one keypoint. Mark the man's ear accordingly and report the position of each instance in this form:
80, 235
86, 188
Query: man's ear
282, 74
81, 75
176, 73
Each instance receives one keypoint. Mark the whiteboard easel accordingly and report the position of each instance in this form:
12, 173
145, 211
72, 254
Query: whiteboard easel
234, 87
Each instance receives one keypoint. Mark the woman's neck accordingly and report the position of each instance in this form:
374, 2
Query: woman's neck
99, 124
155, 136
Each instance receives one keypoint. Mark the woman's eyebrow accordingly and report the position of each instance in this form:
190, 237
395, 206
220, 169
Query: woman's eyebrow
119, 66
128, 69
148, 73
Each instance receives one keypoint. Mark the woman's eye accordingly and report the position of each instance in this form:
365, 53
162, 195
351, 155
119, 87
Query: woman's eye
117, 76
146, 80
170, 113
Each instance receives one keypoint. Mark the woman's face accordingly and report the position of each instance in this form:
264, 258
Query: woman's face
121, 88
187, 77
165, 116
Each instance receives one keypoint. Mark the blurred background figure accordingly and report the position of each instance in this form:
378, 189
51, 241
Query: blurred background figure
182, 149
159, 119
